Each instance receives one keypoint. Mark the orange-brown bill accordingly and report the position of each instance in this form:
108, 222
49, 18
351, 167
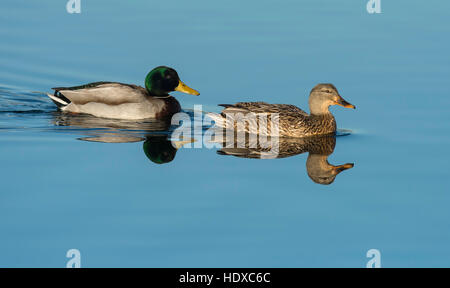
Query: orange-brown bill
344, 103
340, 168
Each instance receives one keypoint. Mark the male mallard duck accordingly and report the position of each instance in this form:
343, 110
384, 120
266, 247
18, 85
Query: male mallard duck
125, 101
292, 121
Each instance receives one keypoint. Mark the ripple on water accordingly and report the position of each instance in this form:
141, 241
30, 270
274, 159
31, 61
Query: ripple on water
15, 101
23, 111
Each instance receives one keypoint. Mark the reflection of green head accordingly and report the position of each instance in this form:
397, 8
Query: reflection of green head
159, 150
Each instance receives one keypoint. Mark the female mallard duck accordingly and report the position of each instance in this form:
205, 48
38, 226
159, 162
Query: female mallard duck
284, 120
125, 101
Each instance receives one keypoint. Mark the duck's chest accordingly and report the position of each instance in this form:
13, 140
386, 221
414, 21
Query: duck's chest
157, 108
313, 125
323, 124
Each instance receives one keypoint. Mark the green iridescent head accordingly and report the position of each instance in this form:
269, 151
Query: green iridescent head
162, 80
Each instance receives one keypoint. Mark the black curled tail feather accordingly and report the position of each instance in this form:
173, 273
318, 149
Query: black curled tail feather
60, 96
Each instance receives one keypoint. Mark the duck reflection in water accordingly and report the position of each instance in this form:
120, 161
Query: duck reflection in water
319, 148
154, 133
160, 149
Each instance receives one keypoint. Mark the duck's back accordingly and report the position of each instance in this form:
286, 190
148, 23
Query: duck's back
267, 119
110, 93
262, 107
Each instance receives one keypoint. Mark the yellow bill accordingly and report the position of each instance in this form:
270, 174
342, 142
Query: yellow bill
186, 89
181, 143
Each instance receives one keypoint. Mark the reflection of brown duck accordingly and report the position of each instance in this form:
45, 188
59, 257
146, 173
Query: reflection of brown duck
319, 148
157, 146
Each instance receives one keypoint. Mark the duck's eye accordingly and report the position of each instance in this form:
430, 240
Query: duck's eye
327, 91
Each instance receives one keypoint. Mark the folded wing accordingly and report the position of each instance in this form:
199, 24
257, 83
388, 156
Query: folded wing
111, 93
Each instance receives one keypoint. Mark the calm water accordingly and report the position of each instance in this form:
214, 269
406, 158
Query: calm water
119, 207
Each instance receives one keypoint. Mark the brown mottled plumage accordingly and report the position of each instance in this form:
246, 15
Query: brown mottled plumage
292, 121
318, 147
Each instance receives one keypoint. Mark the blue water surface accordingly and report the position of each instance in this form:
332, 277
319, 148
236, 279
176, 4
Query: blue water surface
203, 209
